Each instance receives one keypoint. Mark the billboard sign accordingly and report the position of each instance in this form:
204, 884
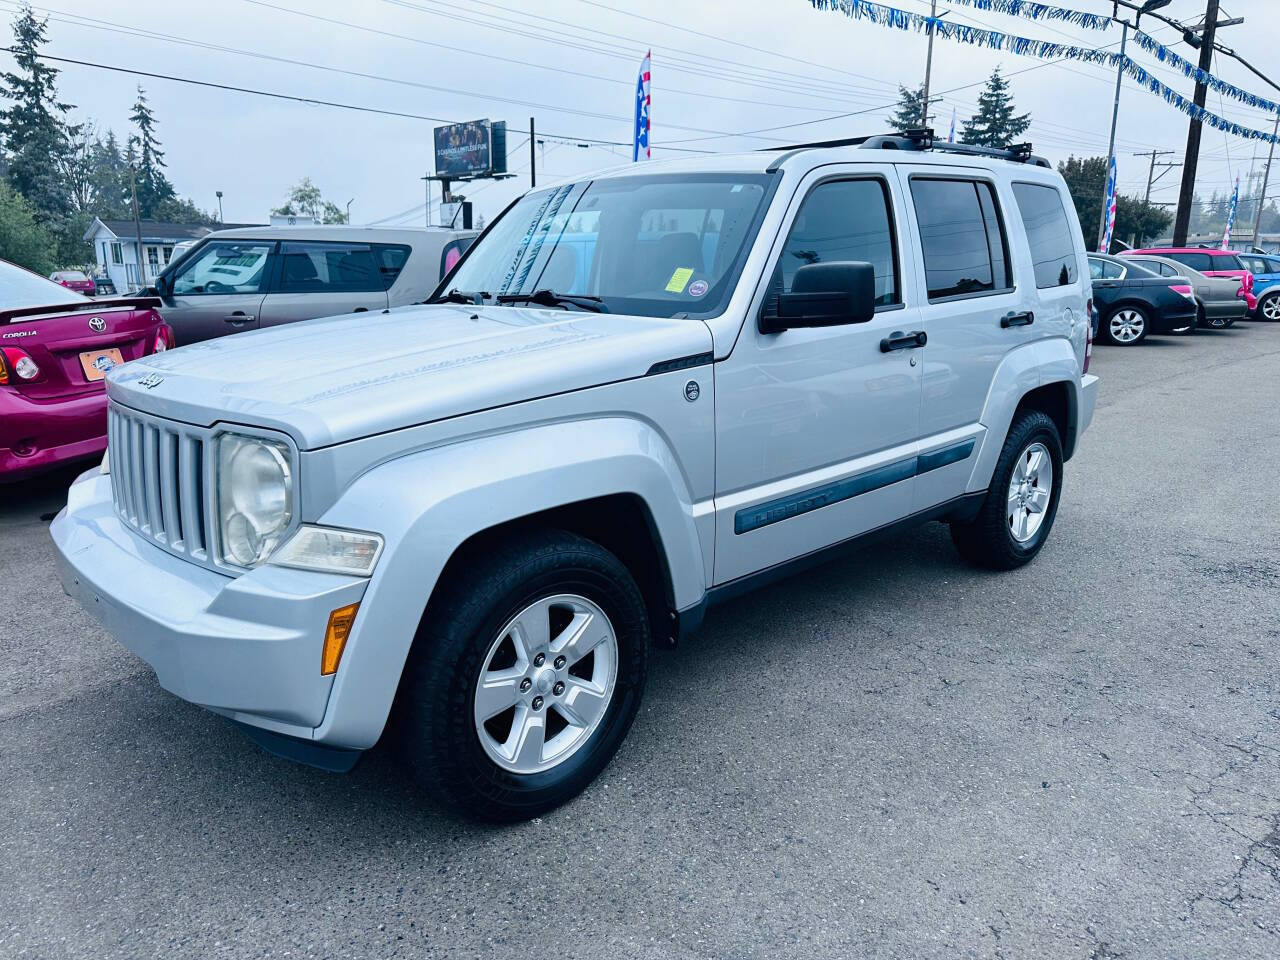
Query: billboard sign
467, 150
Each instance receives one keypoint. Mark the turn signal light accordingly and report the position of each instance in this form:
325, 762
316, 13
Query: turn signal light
335, 637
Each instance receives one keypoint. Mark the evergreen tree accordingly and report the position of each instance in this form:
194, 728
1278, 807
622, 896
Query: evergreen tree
995, 124
23, 240
110, 180
154, 188
34, 135
906, 114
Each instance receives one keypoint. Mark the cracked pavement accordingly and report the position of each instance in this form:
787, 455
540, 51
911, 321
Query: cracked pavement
891, 756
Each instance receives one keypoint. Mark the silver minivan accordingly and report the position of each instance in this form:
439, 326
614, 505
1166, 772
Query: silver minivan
256, 277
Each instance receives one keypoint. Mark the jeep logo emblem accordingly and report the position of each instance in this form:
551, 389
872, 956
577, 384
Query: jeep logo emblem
97, 324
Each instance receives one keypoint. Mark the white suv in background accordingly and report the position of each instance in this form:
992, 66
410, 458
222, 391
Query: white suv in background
637, 395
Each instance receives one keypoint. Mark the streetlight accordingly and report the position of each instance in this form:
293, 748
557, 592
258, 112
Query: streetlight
219, 195
349, 202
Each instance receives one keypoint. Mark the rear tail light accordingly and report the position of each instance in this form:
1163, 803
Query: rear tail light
16, 366
164, 339
1247, 282
1184, 289
1088, 336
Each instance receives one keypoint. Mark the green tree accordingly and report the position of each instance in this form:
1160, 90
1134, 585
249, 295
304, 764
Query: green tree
23, 239
996, 124
33, 132
906, 113
305, 201
109, 180
154, 188
1136, 220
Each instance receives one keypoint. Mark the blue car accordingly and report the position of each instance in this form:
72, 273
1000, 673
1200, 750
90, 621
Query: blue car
1266, 283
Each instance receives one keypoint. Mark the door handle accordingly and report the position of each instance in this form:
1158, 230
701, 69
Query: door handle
903, 341
1024, 319
239, 318
360, 310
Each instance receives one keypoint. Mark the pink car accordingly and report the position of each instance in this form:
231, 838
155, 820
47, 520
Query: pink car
75, 280
56, 348
1212, 263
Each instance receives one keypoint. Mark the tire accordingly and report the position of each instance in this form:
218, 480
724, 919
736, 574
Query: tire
989, 539
1125, 326
453, 755
1269, 307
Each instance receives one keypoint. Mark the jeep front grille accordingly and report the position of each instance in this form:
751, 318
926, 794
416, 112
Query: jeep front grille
158, 481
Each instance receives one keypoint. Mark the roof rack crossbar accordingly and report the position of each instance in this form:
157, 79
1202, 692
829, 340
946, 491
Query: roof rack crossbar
922, 139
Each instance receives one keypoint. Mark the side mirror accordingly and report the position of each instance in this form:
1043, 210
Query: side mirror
164, 286
826, 295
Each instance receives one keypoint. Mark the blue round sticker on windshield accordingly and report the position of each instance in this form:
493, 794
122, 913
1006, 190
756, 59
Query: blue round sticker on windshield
698, 288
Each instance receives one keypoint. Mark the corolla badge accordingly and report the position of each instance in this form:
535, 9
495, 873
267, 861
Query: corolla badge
97, 324
151, 381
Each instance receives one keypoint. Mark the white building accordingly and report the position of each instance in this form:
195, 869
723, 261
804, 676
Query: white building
116, 249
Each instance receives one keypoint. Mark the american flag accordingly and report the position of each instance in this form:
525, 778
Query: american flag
1231, 215
1104, 242
640, 143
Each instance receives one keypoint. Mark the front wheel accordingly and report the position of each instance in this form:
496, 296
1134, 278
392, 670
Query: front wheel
525, 676
1269, 307
1126, 326
1015, 518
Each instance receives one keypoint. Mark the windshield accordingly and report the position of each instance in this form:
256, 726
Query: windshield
22, 288
650, 246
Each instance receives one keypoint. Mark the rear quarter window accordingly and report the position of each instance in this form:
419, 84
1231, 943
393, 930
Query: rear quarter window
1222, 261
1049, 234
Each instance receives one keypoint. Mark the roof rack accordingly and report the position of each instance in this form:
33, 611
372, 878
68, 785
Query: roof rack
920, 140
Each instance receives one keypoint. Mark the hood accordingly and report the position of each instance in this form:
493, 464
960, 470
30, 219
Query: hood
340, 378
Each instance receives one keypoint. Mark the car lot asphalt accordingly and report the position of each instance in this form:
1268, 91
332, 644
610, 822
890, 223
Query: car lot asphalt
893, 756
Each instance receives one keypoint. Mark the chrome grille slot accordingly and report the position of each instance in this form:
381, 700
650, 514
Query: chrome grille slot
157, 480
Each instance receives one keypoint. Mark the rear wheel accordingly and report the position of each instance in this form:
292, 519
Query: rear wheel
1015, 518
524, 677
1269, 307
1126, 326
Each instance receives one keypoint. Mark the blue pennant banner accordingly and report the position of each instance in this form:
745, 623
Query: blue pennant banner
1190, 70
1039, 11
887, 16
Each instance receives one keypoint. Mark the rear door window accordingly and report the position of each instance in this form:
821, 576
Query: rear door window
316, 267
1196, 261
1053, 249
961, 236
1105, 269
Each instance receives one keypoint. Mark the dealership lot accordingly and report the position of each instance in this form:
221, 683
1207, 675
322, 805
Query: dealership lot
895, 755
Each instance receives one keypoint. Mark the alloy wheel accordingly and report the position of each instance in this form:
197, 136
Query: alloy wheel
546, 683
1127, 326
1030, 488
1270, 307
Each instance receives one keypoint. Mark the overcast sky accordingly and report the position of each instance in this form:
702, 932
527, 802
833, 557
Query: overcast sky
719, 66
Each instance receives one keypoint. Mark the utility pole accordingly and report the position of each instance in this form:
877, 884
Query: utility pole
137, 224
928, 65
1151, 173
1182, 221
1266, 176
533, 156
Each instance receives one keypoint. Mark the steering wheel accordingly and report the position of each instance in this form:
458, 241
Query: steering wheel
217, 286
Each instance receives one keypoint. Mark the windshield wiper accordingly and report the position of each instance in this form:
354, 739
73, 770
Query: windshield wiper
473, 298
549, 298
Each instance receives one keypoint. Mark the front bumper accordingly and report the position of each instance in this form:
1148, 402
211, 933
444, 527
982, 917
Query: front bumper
38, 436
247, 647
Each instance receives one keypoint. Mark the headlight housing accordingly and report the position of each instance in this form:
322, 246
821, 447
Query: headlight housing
255, 498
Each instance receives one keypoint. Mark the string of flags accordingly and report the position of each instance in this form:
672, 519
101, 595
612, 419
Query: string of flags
1093, 21
887, 16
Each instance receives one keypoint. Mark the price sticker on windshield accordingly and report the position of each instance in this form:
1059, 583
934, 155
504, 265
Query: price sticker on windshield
679, 280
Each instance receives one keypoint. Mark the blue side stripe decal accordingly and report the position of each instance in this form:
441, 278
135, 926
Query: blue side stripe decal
784, 508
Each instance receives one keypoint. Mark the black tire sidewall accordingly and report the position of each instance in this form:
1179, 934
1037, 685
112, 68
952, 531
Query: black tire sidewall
453, 764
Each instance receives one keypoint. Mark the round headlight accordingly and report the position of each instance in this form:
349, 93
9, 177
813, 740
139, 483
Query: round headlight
255, 498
